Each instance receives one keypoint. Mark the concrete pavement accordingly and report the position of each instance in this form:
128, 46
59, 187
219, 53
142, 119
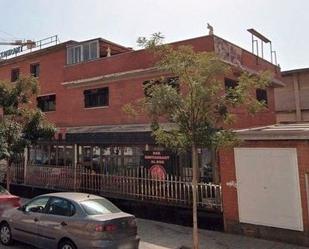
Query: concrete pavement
158, 235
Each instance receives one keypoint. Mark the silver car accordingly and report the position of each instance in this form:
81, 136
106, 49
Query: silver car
69, 221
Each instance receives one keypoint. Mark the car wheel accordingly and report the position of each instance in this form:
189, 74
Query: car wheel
67, 244
5, 234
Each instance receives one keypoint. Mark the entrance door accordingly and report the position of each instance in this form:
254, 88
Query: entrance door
268, 187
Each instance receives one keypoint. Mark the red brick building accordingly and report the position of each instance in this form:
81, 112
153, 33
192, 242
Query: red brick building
84, 86
123, 73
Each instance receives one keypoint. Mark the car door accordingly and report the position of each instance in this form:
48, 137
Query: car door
56, 222
25, 223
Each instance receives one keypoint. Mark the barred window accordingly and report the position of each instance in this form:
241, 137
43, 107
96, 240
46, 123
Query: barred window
96, 97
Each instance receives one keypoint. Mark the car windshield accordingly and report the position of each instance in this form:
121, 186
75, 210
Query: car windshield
3, 191
99, 206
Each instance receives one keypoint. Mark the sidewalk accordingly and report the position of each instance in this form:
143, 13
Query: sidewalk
158, 235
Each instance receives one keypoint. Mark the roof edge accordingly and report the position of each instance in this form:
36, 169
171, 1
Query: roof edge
297, 70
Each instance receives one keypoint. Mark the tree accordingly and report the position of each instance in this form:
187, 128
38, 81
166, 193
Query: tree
201, 108
21, 126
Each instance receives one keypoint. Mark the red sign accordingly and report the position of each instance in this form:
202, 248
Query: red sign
158, 163
157, 172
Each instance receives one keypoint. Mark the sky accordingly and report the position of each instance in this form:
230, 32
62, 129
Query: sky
284, 22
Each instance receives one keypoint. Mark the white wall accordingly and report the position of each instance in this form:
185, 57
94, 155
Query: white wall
268, 187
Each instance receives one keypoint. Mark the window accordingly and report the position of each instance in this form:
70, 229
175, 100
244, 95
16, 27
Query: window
14, 74
229, 85
99, 206
37, 205
74, 55
261, 96
35, 70
60, 155
58, 206
96, 97
47, 103
84, 52
171, 81
69, 155
109, 160
93, 52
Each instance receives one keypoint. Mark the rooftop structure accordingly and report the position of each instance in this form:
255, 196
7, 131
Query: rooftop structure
292, 101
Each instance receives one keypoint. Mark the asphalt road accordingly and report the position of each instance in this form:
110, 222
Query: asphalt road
17, 246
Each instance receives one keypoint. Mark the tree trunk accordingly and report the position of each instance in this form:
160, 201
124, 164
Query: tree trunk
8, 175
194, 194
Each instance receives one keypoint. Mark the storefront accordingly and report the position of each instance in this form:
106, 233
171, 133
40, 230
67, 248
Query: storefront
105, 152
101, 160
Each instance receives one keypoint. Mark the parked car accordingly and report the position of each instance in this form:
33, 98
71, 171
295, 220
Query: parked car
7, 200
69, 221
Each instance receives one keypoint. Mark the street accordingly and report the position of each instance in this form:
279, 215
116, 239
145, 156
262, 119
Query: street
158, 235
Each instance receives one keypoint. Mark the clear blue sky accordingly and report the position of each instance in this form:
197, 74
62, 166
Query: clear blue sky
285, 22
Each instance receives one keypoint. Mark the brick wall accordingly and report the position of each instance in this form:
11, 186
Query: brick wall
70, 109
229, 193
292, 101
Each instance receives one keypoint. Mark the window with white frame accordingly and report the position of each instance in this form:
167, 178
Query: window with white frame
83, 52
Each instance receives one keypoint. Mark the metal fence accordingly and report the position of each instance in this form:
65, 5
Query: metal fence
134, 184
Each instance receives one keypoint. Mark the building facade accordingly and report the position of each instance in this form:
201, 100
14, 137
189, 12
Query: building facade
84, 86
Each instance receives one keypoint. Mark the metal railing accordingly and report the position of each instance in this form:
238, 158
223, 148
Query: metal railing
134, 183
24, 49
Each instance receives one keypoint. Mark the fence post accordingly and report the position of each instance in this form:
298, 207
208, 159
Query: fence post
25, 164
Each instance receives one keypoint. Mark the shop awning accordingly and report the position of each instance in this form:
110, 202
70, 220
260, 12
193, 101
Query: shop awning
112, 134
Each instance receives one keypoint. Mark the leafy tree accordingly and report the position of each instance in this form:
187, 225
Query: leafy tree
201, 109
21, 126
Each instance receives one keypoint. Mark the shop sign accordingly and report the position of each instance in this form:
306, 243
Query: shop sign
158, 163
13, 51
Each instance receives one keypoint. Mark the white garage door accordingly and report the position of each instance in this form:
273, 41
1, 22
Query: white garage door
268, 187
